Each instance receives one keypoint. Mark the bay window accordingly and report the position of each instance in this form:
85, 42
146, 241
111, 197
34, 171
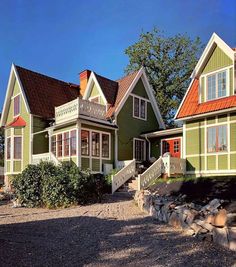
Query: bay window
95, 144
73, 143
217, 139
59, 145
85, 143
105, 145
17, 147
53, 144
9, 148
216, 85
66, 144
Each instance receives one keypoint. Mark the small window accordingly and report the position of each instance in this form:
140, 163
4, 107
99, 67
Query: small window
59, 145
176, 146
53, 144
95, 144
136, 107
105, 145
85, 143
17, 147
66, 144
143, 109
73, 143
9, 148
216, 85
165, 147
217, 139
139, 108
16, 105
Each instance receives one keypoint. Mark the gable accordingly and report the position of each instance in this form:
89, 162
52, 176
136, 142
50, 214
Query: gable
140, 90
94, 93
217, 60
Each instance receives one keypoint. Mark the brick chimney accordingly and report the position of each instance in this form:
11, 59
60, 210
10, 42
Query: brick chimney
84, 76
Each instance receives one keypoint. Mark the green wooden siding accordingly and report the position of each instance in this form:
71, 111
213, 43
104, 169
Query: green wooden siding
233, 161
211, 120
222, 118
233, 116
195, 141
40, 143
195, 163
95, 92
139, 90
195, 123
202, 89
17, 166
217, 61
223, 162
211, 162
233, 137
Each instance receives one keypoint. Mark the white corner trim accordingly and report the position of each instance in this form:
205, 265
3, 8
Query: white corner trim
93, 79
10, 88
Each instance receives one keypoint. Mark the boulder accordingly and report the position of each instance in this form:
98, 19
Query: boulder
191, 216
196, 228
205, 225
220, 236
220, 218
209, 218
174, 220
212, 206
231, 219
232, 238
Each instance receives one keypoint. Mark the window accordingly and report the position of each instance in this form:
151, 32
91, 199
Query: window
216, 85
217, 139
17, 147
139, 150
139, 108
85, 143
59, 145
95, 144
53, 144
16, 105
73, 143
8, 148
105, 145
176, 146
165, 147
66, 144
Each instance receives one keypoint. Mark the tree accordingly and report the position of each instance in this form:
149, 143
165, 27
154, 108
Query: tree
169, 62
1, 147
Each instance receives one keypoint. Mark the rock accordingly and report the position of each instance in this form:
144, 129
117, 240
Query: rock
174, 220
205, 225
212, 205
220, 236
232, 238
208, 237
220, 218
209, 218
196, 228
231, 219
231, 208
152, 211
189, 232
191, 216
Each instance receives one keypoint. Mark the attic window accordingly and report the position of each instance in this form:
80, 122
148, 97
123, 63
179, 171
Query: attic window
216, 85
16, 105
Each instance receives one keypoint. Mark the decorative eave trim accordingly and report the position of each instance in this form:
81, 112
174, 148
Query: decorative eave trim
89, 86
141, 74
13, 73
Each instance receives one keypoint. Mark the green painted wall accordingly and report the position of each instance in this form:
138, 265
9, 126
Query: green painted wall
195, 123
140, 90
233, 137
211, 162
222, 162
202, 89
217, 61
195, 141
233, 161
195, 163
95, 92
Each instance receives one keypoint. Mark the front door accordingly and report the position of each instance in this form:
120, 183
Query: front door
139, 149
173, 146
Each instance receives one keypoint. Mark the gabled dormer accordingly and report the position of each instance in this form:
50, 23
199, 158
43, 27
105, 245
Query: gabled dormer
212, 81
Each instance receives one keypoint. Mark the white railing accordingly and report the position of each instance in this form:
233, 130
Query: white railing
74, 108
174, 165
153, 172
123, 175
37, 158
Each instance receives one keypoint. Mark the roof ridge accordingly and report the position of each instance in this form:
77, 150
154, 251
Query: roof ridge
44, 75
105, 77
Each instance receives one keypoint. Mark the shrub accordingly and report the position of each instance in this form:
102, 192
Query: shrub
27, 186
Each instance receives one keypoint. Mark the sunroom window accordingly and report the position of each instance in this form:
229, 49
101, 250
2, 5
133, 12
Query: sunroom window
216, 85
217, 139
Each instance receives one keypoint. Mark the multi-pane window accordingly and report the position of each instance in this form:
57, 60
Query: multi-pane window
17, 147
176, 146
217, 138
16, 105
8, 148
139, 150
85, 143
59, 145
216, 85
66, 144
73, 143
95, 144
53, 144
165, 147
105, 145
139, 108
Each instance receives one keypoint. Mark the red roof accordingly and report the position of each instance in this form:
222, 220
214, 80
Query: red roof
44, 93
191, 107
17, 122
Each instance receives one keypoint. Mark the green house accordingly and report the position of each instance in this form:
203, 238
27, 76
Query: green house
97, 124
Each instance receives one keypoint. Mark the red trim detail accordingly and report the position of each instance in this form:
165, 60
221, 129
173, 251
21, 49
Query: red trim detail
17, 122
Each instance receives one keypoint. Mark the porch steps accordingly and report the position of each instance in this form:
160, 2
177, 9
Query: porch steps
130, 186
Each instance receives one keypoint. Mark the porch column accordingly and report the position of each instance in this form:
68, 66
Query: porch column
78, 144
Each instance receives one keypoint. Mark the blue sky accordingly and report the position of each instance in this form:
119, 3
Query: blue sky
61, 38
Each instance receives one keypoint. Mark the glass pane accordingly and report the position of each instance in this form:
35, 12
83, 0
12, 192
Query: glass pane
105, 145
8, 148
59, 145
17, 147
211, 87
73, 142
17, 105
139, 150
136, 107
95, 144
211, 139
66, 144
53, 144
143, 109
222, 84
222, 138
85, 143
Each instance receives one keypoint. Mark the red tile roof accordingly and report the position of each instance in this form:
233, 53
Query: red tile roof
44, 93
191, 107
17, 122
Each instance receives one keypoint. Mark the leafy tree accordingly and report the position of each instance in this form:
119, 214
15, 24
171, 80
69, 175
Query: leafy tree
1, 147
169, 62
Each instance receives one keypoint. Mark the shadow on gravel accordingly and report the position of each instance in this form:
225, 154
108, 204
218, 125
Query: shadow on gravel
85, 240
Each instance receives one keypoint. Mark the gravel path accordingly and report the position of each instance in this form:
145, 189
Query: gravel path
113, 233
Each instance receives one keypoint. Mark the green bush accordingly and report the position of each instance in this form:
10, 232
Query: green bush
58, 186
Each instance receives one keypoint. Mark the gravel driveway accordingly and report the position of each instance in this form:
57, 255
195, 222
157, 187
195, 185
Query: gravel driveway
114, 233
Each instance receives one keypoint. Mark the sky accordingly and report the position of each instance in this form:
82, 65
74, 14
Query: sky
62, 38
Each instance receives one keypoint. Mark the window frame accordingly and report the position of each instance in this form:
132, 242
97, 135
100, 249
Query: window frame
140, 99
14, 147
73, 151
218, 151
14, 98
134, 147
8, 148
88, 144
98, 155
102, 155
60, 145
66, 144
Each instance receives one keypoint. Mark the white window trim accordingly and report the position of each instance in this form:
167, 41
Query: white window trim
205, 76
140, 98
139, 139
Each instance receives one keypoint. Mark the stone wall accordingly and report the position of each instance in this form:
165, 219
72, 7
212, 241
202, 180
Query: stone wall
213, 221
